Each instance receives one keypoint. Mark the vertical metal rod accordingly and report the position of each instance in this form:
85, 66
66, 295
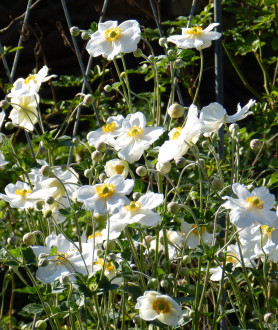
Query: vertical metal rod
194, 3
16, 57
6, 67
219, 72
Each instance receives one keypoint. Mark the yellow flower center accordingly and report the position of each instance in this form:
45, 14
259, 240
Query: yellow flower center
119, 169
109, 265
112, 34
194, 31
254, 201
196, 232
105, 190
266, 231
97, 234
231, 258
62, 257
161, 306
23, 192
135, 131
176, 134
133, 206
29, 78
109, 127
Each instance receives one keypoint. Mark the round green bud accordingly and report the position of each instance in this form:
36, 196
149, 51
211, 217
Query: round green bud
210, 228
100, 218
191, 289
111, 257
164, 284
141, 171
163, 167
181, 162
43, 262
102, 177
184, 271
74, 31
75, 141
191, 314
45, 170
136, 195
136, 319
100, 253
41, 325
64, 167
205, 144
88, 99
173, 207
101, 146
47, 213
234, 129
162, 42
4, 104
269, 317
176, 111
138, 53
107, 88
148, 238
256, 314
50, 200
109, 245
186, 259
39, 205
88, 173
96, 156
123, 75
13, 240
153, 283
64, 279
85, 35
217, 184
256, 144
29, 239
9, 125
227, 285
151, 58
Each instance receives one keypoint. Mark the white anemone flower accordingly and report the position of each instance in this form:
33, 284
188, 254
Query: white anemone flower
66, 261
192, 234
181, 138
20, 195
214, 116
100, 236
135, 137
195, 37
156, 306
107, 132
116, 166
107, 197
139, 211
31, 84
24, 113
251, 207
112, 39
110, 270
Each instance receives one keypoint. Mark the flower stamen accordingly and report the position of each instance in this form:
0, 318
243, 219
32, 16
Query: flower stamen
266, 231
23, 192
177, 133
105, 190
134, 131
254, 201
194, 31
161, 306
108, 128
29, 78
112, 34
133, 206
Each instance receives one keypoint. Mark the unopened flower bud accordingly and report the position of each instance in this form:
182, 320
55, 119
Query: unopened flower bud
210, 228
102, 177
74, 31
9, 125
173, 207
109, 245
148, 239
164, 284
181, 162
85, 35
47, 213
178, 63
64, 279
227, 285
217, 184
256, 314
138, 53
163, 167
123, 75
75, 141
100, 218
171, 53
29, 239
256, 144
111, 257
50, 200
153, 283
88, 99
4, 104
45, 170
107, 88
88, 173
96, 156
151, 58
162, 42
39, 205
42, 256
141, 171
136, 319
101, 146
234, 129
64, 167
175, 111
43, 262
184, 271
100, 253
41, 325
269, 317
13, 240
205, 144
136, 195
186, 259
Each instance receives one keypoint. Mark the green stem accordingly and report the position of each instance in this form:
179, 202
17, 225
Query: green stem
200, 76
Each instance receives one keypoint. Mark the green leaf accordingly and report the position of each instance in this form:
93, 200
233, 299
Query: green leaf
27, 289
53, 251
133, 290
273, 178
274, 44
33, 308
28, 256
139, 186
